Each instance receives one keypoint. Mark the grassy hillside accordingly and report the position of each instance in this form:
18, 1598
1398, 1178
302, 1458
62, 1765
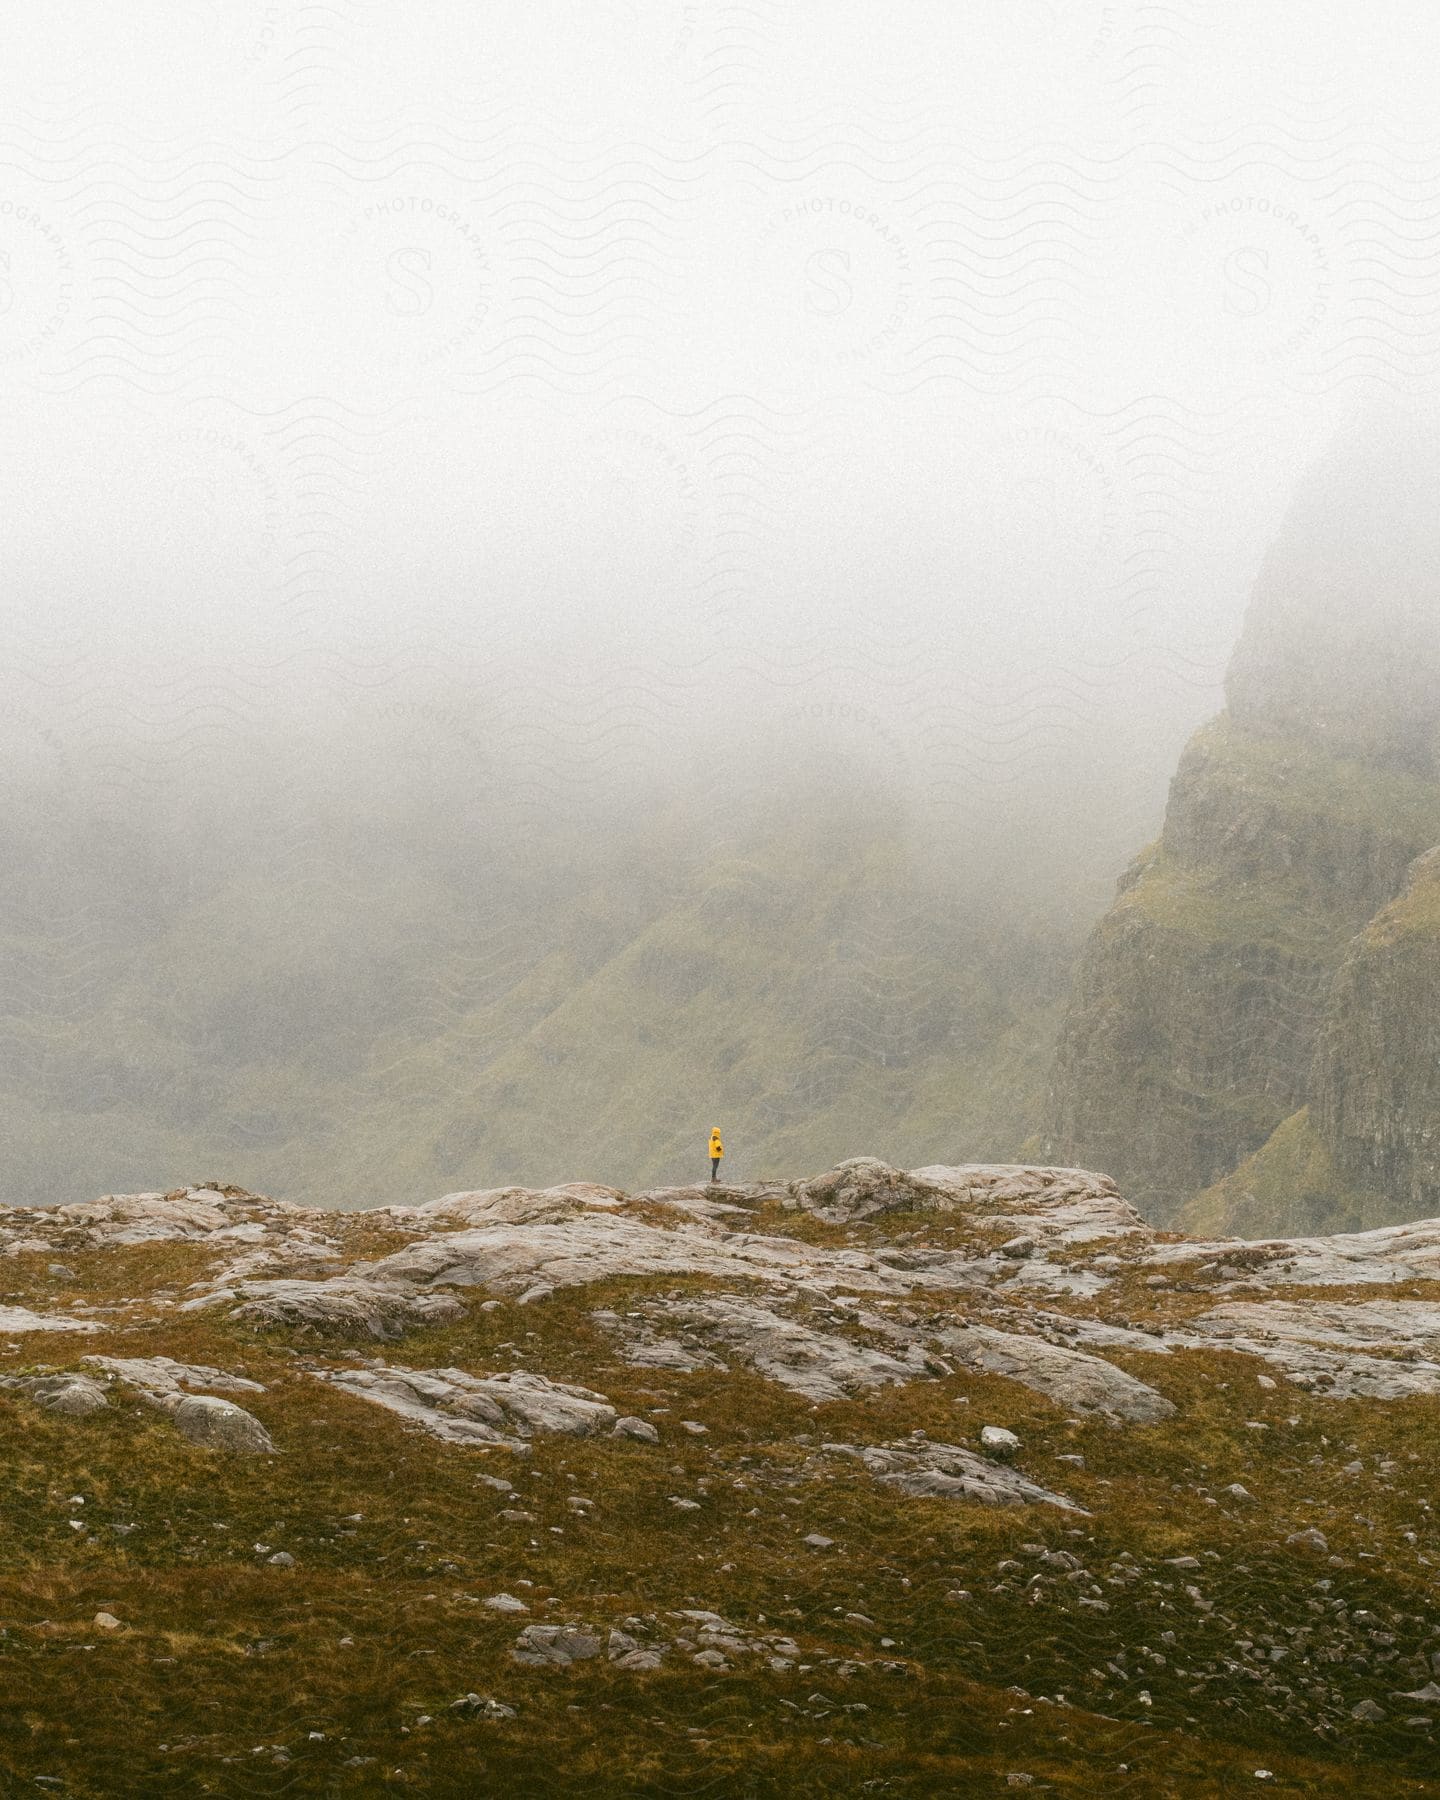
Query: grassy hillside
457, 997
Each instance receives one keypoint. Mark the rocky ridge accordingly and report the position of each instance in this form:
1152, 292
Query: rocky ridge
807, 1384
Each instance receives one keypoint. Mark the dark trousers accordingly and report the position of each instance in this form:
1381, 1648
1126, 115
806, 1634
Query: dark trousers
714, 1168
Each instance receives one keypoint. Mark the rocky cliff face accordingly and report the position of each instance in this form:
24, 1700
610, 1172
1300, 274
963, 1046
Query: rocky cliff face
1377, 1065
1195, 1026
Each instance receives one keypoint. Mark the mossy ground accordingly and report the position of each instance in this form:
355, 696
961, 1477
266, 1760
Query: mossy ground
232, 1676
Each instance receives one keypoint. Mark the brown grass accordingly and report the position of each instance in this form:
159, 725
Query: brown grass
226, 1663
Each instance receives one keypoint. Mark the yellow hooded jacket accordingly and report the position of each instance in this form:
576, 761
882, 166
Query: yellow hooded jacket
716, 1147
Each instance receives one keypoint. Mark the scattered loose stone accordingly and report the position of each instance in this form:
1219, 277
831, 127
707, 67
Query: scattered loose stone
476, 1706
554, 1646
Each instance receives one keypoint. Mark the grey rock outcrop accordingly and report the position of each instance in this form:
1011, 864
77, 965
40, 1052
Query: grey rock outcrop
822, 1365
219, 1424
165, 1382
18, 1319
1390, 1253
1334, 1349
460, 1408
861, 1187
948, 1472
1071, 1378
344, 1305
585, 1247
72, 1395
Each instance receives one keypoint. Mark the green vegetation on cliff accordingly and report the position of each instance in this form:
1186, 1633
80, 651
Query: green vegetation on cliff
1290, 1187
1336, 833
1377, 1063
1193, 1020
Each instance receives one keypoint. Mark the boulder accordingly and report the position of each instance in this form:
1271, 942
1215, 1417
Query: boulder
861, 1187
220, 1425
554, 1646
346, 1305
631, 1427
73, 1395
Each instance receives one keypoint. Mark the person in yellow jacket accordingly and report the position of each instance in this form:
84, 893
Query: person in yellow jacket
717, 1150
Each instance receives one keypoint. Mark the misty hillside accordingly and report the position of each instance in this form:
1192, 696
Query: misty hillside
430, 982
420, 949
1254, 1032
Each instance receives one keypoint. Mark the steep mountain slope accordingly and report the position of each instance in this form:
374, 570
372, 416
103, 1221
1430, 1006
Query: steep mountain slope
1193, 1027
877, 1481
1377, 1066
1366, 1149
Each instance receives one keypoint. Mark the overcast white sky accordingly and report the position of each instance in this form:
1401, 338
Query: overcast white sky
945, 366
